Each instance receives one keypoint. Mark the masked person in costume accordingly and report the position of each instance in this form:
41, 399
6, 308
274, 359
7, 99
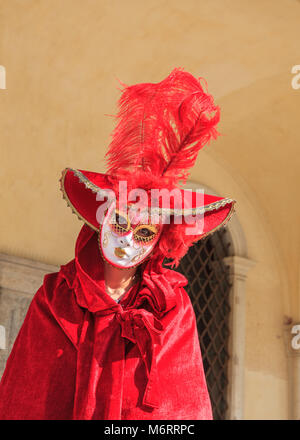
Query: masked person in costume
113, 334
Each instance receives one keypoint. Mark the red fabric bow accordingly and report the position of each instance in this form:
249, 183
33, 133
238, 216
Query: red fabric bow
143, 329
106, 321
95, 366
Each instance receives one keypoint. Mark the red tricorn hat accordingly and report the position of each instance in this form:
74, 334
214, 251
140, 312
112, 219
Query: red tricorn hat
161, 128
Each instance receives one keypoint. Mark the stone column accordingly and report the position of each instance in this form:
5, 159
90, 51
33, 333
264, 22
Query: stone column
238, 270
292, 343
2, 338
20, 279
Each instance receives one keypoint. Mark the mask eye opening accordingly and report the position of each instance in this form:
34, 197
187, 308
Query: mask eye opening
119, 222
152, 230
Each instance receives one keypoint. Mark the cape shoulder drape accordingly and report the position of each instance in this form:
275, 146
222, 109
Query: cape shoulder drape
81, 355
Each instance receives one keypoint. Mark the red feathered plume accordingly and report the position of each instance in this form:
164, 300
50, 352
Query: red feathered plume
161, 128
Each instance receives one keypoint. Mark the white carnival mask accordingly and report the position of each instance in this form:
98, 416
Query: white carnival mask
126, 240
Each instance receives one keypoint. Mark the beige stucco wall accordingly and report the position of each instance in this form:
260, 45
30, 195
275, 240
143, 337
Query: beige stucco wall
62, 61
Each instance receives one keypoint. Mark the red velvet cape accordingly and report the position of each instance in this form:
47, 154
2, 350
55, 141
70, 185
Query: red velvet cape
81, 355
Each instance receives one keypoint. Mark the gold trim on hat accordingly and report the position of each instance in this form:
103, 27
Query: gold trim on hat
229, 215
169, 211
74, 210
95, 188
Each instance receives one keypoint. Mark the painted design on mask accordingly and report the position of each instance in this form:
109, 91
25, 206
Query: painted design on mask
106, 238
126, 242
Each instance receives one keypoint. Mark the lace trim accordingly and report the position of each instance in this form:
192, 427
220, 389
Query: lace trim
74, 210
209, 207
229, 215
187, 211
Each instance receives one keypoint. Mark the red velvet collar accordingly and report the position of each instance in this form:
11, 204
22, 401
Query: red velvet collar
154, 292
